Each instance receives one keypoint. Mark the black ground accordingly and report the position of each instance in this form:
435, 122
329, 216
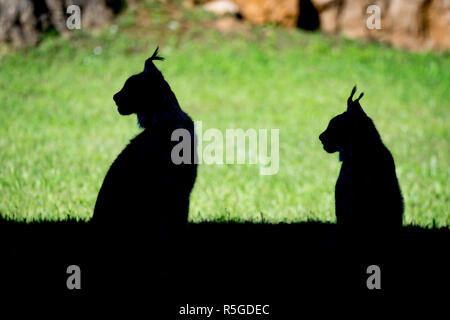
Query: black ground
285, 265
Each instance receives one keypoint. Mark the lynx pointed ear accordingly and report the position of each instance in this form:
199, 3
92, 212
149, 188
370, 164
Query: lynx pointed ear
353, 92
149, 61
360, 96
353, 106
350, 98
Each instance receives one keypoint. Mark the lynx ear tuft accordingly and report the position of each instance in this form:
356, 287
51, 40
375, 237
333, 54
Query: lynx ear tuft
149, 61
350, 98
155, 55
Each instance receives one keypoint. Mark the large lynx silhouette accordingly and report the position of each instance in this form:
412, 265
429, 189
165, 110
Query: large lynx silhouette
144, 194
368, 197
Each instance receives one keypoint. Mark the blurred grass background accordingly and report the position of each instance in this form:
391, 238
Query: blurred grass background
60, 131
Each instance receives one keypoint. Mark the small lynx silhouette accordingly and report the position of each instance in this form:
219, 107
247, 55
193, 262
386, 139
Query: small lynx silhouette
367, 195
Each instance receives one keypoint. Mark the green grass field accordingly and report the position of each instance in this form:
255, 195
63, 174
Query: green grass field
60, 131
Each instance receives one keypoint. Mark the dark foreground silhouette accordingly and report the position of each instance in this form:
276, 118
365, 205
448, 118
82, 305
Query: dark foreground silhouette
285, 265
369, 202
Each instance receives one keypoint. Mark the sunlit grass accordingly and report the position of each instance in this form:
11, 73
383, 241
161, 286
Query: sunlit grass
59, 129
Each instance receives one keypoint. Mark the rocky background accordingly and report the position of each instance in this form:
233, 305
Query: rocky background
22, 22
409, 24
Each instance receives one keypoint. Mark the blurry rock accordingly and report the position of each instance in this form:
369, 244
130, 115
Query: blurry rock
385, 33
57, 15
188, 4
409, 24
352, 19
221, 7
18, 23
439, 24
95, 14
329, 20
328, 14
321, 5
406, 23
282, 12
23, 21
229, 24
